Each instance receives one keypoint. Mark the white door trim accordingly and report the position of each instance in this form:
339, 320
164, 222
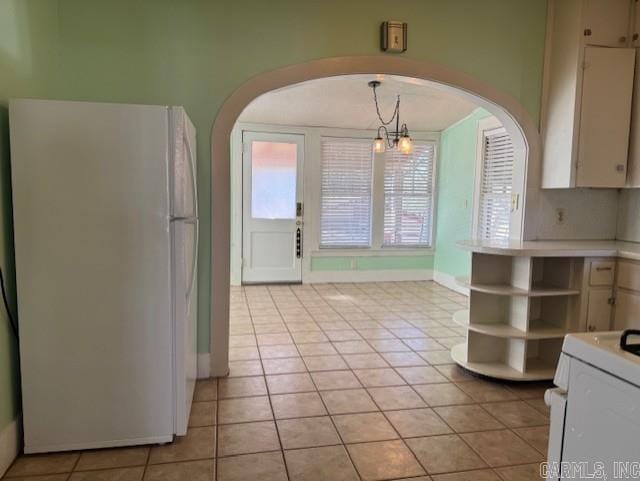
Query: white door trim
485, 125
270, 226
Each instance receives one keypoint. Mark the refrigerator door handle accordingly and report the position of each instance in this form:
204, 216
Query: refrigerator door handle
192, 170
194, 261
194, 185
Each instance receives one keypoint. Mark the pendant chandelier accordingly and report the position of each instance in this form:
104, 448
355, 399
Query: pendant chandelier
397, 139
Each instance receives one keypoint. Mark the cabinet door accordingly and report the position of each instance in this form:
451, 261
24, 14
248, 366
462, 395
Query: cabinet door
633, 163
607, 21
599, 310
627, 313
605, 116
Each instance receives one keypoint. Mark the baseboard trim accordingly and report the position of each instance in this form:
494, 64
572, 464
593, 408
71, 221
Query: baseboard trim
10, 441
449, 281
389, 275
204, 366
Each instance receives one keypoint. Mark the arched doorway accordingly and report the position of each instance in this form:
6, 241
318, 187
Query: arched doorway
507, 109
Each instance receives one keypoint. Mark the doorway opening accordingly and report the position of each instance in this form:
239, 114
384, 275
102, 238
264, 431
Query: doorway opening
279, 177
313, 201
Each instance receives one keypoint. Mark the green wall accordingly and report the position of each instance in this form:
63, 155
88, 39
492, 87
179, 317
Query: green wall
455, 186
197, 52
28, 39
371, 263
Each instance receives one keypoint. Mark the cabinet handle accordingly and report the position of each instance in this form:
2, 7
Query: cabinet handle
587, 32
635, 36
620, 168
603, 268
622, 39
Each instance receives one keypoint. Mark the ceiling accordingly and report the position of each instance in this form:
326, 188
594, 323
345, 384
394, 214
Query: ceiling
347, 102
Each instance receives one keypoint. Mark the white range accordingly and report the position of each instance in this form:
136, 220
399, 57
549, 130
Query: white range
595, 409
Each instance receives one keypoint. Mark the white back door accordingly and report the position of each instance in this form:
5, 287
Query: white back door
272, 207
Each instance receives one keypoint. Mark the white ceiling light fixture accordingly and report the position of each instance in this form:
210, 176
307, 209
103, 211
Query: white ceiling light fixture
397, 139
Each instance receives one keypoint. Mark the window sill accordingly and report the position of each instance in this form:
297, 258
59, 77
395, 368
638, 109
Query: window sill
373, 252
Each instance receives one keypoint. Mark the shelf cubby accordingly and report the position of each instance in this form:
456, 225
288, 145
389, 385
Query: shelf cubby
520, 309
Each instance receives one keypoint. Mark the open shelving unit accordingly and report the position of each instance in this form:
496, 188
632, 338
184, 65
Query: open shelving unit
520, 309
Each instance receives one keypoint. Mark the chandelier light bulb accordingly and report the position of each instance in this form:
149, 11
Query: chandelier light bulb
378, 145
405, 145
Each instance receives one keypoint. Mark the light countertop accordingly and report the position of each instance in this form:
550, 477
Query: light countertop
572, 248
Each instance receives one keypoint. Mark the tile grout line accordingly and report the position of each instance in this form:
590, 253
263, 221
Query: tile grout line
392, 367
344, 446
273, 414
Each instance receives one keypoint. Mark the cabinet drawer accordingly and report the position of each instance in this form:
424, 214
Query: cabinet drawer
629, 275
602, 273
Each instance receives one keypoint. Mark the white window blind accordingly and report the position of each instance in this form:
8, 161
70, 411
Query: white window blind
408, 196
345, 216
496, 184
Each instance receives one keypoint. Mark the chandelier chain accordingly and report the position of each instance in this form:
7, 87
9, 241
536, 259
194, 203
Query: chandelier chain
395, 110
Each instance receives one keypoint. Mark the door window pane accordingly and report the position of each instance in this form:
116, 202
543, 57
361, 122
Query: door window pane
273, 180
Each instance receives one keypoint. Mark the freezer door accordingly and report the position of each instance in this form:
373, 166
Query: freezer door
184, 187
93, 260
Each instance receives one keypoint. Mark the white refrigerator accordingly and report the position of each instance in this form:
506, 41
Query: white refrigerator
106, 235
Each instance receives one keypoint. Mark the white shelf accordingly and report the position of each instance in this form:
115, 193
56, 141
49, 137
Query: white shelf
570, 248
543, 331
506, 290
516, 332
537, 370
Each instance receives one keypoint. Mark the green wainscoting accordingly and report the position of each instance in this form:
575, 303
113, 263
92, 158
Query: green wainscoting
371, 263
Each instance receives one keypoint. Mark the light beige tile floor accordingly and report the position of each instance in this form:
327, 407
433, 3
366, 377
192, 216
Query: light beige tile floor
333, 382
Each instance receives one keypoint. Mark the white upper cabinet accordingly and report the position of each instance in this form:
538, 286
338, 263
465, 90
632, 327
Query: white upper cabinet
605, 115
606, 22
587, 93
633, 167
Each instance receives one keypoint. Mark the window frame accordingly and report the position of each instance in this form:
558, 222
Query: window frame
486, 125
321, 247
377, 212
432, 210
